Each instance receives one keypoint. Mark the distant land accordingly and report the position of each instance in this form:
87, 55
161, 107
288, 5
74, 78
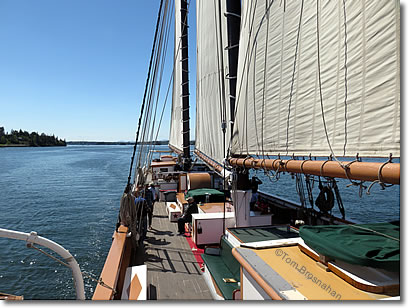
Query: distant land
161, 142
19, 138
164, 142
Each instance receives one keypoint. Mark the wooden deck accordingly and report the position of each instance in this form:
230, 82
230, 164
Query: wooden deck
172, 270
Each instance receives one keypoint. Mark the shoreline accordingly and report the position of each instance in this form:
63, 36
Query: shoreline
28, 146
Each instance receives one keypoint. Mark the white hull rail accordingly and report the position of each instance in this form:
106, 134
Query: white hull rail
33, 238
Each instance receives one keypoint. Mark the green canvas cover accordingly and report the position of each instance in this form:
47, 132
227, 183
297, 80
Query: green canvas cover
199, 195
373, 245
258, 234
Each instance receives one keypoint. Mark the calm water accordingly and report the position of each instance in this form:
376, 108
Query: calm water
71, 196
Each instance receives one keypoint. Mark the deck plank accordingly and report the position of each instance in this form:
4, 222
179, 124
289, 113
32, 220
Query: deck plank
173, 272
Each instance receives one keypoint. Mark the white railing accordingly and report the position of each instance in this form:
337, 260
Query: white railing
33, 238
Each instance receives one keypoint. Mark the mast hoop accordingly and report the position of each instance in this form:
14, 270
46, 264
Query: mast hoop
380, 177
230, 14
354, 183
285, 165
231, 47
321, 168
301, 166
263, 163
245, 159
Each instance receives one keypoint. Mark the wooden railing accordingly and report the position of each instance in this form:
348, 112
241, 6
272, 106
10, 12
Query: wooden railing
114, 268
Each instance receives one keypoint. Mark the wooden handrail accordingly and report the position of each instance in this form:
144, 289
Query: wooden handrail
259, 280
111, 269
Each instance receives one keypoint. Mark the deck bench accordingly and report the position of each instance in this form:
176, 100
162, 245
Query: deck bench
221, 264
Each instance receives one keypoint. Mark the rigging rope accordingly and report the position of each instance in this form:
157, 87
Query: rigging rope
345, 78
263, 90
338, 198
376, 232
152, 86
127, 189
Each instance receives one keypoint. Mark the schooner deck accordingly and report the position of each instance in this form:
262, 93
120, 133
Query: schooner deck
172, 270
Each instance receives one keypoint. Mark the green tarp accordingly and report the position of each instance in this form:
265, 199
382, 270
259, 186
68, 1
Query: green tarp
258, 234
372, 245
200, 194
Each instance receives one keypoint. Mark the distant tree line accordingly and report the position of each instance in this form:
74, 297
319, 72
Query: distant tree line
24, 138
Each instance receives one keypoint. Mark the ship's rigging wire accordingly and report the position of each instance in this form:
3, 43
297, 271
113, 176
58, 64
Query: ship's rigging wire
147, 121
130, 214
244, 66
157, 98
169, 85
320, 80
221, 88
152, 145
127, 189
345, 78
159, 64
263, 90
153, 85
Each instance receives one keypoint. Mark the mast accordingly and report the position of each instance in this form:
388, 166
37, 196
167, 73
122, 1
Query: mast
233, 15
185, 84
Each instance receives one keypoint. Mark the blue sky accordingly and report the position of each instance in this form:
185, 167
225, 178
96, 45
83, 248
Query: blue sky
77, 68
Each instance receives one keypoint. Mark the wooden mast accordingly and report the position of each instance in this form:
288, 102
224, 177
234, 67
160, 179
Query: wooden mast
185, 84
233, 15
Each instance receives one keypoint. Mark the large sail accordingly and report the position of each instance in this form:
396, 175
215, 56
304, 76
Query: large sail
318, 77
212, 87
176, 123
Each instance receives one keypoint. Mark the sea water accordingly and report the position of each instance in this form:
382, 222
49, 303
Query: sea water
71, 195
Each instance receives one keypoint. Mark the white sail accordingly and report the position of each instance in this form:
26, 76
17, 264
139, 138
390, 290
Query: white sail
212, 87
176, 123
307, 65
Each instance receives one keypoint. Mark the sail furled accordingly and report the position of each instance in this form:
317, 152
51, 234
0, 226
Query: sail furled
319, 78
212, 103
176, 123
